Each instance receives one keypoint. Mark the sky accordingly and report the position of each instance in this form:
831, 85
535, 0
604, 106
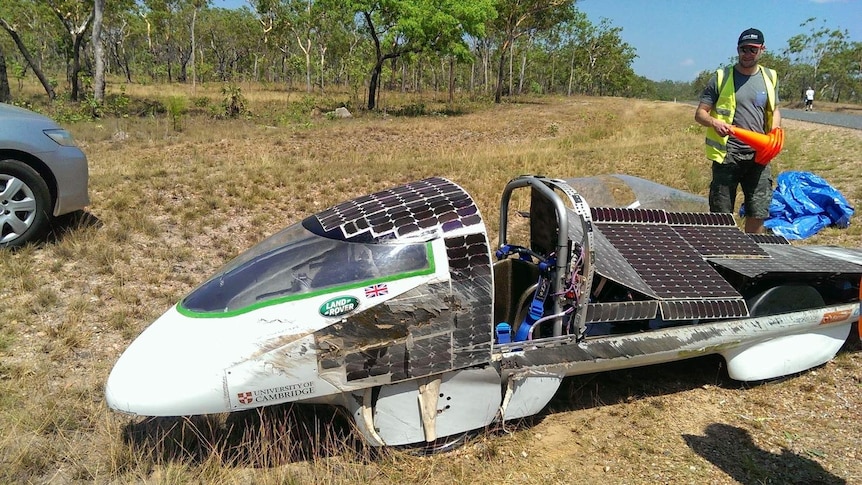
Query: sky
677, 39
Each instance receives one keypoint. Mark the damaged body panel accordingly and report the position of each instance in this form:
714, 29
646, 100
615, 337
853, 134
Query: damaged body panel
396, 307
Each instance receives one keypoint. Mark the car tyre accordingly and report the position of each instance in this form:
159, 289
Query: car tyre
25, 204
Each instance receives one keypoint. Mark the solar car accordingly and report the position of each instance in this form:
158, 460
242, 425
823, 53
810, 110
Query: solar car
397, 307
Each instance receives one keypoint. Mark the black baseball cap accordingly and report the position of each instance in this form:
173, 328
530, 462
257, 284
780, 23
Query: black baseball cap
750, 37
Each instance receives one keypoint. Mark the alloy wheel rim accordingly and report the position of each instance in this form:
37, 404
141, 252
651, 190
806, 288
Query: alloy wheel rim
17, 207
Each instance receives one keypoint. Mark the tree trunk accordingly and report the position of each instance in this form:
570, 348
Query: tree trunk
372, 84
523, 72
192, 53
322, 66
127, 68
98, 54
5, 93
30, 62
451, 81
378, 66
511, 70
76, 33
498, 94
306, 49
487, 68
76, 67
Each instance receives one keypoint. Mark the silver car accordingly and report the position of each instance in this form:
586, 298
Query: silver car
43, 175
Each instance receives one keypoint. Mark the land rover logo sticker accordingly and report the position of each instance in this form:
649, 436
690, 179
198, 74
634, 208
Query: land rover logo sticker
339, 306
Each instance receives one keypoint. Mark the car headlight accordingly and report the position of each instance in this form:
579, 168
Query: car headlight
62, 137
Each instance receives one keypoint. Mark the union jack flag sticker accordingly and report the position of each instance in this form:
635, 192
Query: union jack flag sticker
244, 397
376, 290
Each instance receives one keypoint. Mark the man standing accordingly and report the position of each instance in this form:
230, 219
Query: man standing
744, 95
809, 99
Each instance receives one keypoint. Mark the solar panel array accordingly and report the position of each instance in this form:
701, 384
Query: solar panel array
787, 259
720, 241
662, 255
418, 210
666, 261
768, 239
434, 327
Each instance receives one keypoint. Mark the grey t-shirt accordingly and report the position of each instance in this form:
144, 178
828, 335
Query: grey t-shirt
751, 101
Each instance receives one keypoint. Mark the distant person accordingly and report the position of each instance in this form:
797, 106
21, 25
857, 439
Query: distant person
809, 99
743, 95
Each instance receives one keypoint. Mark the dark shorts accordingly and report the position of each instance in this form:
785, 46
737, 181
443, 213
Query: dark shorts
741, 171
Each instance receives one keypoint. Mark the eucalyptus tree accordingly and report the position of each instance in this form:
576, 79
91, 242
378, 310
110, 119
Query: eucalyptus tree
818, 45
76, 17
301, 22
126, 38
550, 54
196, 5
347, 51
232, 38
400, 27
483, 49
168, 25
565, 40
337, 39
841, 75
20, 18
274, 17
585, 50
791, 79
848, 72
5, 92
303, 26
98, 52
519, 18
611, 61
700, 82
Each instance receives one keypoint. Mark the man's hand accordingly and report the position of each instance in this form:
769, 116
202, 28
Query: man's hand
701, 115
721, 127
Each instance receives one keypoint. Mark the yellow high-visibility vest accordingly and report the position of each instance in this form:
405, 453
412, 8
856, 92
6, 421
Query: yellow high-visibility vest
725, 107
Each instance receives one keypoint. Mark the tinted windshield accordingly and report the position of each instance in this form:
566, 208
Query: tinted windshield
296, 263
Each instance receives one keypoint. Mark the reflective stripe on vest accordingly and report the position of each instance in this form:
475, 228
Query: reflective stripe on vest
725, 107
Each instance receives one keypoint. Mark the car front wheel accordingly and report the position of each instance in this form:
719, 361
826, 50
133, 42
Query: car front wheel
24, 204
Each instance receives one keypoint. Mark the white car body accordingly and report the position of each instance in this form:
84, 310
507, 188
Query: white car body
391, 305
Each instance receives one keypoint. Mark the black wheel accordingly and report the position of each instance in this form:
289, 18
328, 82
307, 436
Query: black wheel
25, 204
783, 299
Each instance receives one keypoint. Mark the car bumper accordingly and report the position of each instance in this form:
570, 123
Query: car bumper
70, 169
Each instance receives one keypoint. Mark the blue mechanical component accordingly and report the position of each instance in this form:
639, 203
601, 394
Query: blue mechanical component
504, 333
537, 306
525, 254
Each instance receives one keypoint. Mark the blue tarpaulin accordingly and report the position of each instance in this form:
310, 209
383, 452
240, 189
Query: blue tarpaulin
803, 204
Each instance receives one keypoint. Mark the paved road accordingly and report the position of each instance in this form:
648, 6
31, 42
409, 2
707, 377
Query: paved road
826, 118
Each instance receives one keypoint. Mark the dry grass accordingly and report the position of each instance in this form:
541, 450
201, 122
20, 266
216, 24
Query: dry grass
169, 207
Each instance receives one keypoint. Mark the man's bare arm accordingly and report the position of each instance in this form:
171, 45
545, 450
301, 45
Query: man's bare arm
702, 116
